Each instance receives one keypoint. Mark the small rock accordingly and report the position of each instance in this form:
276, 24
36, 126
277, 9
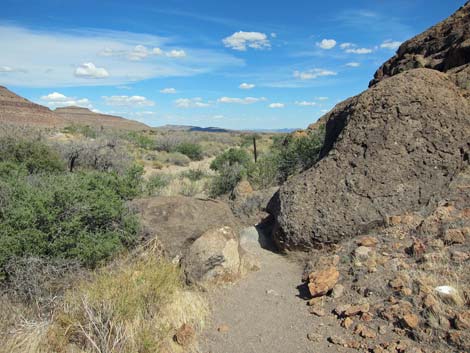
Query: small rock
418, 248
364, 331
454, 236
347, 323
449, 294
430, 302
459, 256
337, 340
317, 311
362, 252
367, 317
356, 309
223, 328
338, 291
410, 321
340, 309
367, 241
382, 329
462, 320
272, 292
314, 337
321, 282
184, 335
315, 301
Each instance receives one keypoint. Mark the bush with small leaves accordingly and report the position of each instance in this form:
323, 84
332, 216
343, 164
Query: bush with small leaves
192, 150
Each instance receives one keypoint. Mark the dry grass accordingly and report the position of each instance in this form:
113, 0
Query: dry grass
134, 305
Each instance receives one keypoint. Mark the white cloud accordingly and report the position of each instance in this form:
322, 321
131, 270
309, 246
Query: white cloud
276, 105
128, 101
313, 73
176, 54
89, 70
246, 86
56, 55
6, 69
57, 99
273, 35
389, 44
327, 44
306, 104
321, 98
353, 64
246, 100
241, 40
346, 45
359, 51
169, 90
191, 103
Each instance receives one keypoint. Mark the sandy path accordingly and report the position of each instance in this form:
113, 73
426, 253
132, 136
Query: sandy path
264, 313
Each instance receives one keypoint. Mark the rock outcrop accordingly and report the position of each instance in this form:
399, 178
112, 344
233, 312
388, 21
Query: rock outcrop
444, 47
392, 149
177, 221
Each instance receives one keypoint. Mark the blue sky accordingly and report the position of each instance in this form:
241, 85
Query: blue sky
237, 64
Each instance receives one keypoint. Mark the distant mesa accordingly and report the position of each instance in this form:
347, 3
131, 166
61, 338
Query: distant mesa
16, 110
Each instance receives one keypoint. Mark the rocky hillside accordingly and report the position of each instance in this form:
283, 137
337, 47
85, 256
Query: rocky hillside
17, 110
84, 116
444, 47
393, 149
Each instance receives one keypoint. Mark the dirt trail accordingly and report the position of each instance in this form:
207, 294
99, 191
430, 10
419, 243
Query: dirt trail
264, 311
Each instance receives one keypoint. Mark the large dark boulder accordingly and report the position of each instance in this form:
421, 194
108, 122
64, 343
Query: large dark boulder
443, 47
392, 149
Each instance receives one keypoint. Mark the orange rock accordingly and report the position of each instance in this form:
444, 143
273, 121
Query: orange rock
462, 320
454, 236
321, 282
410, 321
347, 323
365, 331
367, 241
357, 309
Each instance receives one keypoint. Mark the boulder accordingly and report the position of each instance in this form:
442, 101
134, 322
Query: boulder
213, 257
178, 221
444, 47
322, 282
391, 150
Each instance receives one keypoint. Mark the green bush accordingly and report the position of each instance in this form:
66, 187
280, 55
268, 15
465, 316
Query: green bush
156, 184
35, 156
264, 173
141, 140
191, 150
231, 157
193, 174
229, 176
84, 130
79, 216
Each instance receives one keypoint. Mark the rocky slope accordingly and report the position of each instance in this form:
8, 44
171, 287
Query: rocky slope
19, 111
444, 47
393, 149
84, 116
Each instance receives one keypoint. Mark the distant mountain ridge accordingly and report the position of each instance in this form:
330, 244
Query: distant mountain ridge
192, 128
19, 111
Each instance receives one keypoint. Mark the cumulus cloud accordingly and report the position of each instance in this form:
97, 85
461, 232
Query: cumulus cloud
390, 44
346, 45
305, 104
321, 98
359, 51
327, 44
89, 70
353, 64
128, 101
56, 99
246, 86
276, 105
191, 103
169, 90
246, 100
243, 40
313, 74
127, 57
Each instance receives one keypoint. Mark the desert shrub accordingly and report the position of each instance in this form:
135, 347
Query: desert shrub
226, 180
133, 307
102, 155
78, 216
156, 183
168, 142
141, 140
193, 174
85, 130
231, 157
178, 159
192, 150
296, 154
265, 172
247, 139
34, 155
